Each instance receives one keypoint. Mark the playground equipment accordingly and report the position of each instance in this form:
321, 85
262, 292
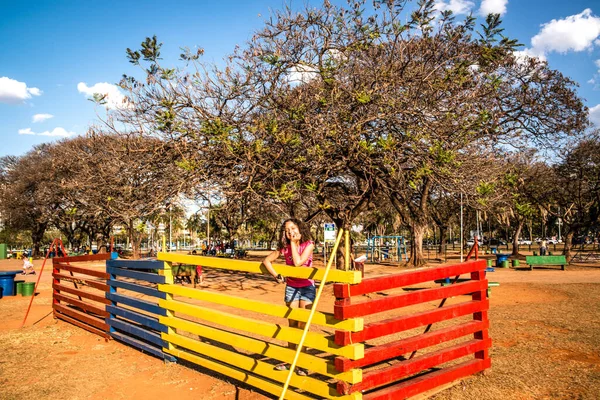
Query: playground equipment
241, 337
381, 248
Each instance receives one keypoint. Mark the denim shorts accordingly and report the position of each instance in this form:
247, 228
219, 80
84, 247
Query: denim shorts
306, 294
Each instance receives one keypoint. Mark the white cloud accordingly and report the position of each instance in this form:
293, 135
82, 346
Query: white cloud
493, 7
14, 92
26, 131
595, 115
456, 6
114, 97
41, 117
574, 33
58, 131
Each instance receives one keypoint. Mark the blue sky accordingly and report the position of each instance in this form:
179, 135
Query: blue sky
54, 53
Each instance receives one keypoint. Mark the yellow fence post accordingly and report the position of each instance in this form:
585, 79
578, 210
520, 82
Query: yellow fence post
312, 313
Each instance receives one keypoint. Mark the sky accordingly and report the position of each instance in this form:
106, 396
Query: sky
55, 54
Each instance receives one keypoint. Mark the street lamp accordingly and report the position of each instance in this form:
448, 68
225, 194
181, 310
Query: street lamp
161, 231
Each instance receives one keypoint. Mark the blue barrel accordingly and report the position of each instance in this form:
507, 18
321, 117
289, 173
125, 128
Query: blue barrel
7, 282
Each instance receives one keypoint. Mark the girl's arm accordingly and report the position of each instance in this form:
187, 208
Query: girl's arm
267, 262
300, 259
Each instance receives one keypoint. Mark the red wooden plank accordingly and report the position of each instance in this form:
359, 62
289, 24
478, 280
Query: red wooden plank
100, 312
387, 282
395, 349
405, 322
429, 381
343, 309
95, 284
89, 328
91, 257
83, 317
81, 293
384, 376
82, 270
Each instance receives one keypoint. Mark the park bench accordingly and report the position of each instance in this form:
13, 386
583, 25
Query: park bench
546, 260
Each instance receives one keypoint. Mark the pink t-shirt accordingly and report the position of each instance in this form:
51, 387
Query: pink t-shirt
287, 253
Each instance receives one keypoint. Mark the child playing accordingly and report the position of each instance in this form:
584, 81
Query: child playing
28, 266
297, 248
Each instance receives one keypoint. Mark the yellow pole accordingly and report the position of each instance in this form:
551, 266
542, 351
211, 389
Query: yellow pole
312, 313
347, 251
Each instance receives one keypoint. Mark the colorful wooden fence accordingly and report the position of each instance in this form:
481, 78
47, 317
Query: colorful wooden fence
78, 292
389, 371
132, 319
377, 344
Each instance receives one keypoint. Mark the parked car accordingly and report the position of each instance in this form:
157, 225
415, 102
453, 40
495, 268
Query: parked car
496, 242
471, 242
524, 241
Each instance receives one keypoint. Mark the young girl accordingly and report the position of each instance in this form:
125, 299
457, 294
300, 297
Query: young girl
28, 266
297, 248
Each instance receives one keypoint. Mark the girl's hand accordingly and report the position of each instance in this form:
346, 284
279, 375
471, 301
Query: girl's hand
296, 237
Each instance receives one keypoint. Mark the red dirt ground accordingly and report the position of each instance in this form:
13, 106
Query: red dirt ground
545, 326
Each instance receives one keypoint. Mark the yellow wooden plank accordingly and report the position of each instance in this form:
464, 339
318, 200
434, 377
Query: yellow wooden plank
235, 373
256, 267
271, 350
277, 310
276, 331
167, 272
306, 383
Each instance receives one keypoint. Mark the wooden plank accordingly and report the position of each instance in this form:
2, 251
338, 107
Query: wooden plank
406, 322
142, 346
237, 374
143, 319
80, 316
388, 351
81, 325
89, 257
130, 329
429, 381
82, 270
344, 309
136, 303
268, 329
408, 278
142, 276
134, 287
89, 282
257, 268
81, 293
306, 383
136, 264
282, 311
315, 364
101, 312
384, 376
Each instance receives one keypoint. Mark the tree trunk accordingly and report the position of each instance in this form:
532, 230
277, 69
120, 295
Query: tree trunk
37, 235
517, 234
135, 239
416, 255
568, 245
443, 230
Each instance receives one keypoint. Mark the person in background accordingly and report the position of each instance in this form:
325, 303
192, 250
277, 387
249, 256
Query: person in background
28, 266
296, 247
543, 247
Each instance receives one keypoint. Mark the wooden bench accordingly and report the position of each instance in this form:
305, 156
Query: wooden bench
546, 260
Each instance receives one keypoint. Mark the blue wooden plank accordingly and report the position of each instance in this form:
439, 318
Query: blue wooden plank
142, 276
136, 303
145, 320
143, 346
136, 264
136, 330
134, 287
